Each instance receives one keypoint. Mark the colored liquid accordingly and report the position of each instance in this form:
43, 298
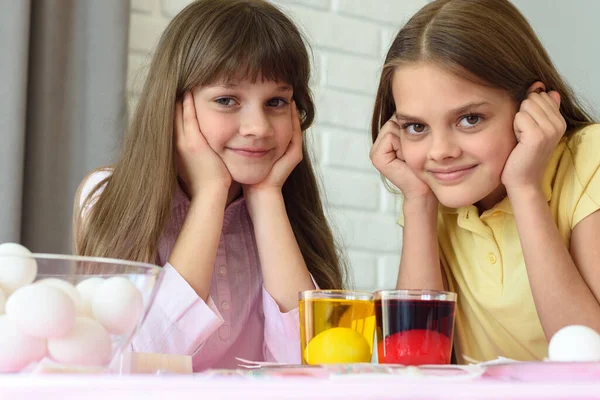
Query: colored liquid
414, 332
321, 320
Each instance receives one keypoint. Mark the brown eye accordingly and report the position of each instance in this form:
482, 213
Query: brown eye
469, 121
415, 129
419, 128
472, 119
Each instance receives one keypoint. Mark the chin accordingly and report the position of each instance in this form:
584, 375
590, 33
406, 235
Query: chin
454, 203
458, 200
249, 177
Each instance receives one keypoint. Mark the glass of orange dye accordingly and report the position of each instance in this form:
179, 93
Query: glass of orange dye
336, 326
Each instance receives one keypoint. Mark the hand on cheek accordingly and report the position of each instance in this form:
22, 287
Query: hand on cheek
200, 168
386, 155
538, 127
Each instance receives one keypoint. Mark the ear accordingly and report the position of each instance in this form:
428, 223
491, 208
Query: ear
537, 87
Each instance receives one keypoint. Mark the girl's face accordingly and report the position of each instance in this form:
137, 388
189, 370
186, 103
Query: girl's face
247, 124
456, 135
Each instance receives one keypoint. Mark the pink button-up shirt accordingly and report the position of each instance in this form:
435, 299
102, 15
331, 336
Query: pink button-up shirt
240, 318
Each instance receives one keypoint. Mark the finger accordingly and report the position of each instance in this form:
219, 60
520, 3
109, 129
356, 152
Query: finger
377, 144
553, 111
293, 152
525, 126
296, 126
393, 126
552, 98
535, 106
190, 122
389, 128
295, 118
386, 148
541, 104
553, 124
178, 121
178, 133
397, 145
386, 130
555, 96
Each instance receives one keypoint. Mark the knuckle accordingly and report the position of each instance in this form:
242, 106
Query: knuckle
372, 153
527, 104
563, 124
377, 164
520, 117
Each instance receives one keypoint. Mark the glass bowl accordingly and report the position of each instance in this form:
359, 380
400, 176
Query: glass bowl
70, 313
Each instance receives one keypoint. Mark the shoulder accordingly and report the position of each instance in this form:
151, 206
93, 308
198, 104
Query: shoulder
583, 148
89, 183
575, 179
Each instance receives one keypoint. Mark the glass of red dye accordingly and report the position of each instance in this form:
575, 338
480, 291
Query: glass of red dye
414, 327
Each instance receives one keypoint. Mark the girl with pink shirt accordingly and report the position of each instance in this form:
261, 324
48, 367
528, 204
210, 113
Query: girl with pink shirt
215, 184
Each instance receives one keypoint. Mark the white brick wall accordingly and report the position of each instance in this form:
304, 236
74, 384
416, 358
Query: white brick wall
349, 39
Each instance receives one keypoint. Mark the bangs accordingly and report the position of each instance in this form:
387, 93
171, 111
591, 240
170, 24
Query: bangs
261, 48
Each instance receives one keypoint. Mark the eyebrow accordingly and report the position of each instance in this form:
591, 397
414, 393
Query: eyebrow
456, 111
282, 88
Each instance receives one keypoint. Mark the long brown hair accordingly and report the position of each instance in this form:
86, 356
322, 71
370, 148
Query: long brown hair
487, 41
206, 42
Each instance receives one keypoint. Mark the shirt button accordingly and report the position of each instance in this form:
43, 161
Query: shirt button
225, 305
492, 258
222, 270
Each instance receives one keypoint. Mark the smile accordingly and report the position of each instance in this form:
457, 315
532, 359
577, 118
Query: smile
452, 176
250, 152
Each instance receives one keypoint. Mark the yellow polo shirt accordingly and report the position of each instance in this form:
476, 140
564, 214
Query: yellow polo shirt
482, 256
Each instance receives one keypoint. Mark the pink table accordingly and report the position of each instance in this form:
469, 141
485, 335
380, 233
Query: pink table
198, 387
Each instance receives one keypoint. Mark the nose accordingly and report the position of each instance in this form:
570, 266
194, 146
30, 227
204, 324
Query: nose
255, 122
444, 146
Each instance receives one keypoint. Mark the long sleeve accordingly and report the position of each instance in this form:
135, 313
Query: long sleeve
178, 322
282, 332
231, 322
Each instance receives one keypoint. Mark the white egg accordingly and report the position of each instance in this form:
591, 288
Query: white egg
17, 266
117, 305
67, 288
2, 301
574, 343
42, 311
88, 344
16, 349
87, 290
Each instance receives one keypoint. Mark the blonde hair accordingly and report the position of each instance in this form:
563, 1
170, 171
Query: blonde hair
487, 41
208, 41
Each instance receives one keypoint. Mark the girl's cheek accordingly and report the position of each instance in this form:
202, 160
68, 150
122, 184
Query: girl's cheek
413, 157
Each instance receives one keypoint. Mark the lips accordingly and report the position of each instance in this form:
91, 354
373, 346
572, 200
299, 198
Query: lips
451, 175
252, 152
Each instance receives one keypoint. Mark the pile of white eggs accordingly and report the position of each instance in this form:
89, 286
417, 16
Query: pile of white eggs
50, 318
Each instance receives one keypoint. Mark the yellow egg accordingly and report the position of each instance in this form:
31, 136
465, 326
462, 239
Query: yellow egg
337, 346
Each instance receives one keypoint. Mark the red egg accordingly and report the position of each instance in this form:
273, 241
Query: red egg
415, 347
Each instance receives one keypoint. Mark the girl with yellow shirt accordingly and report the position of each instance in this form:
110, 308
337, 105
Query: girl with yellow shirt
497, 163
